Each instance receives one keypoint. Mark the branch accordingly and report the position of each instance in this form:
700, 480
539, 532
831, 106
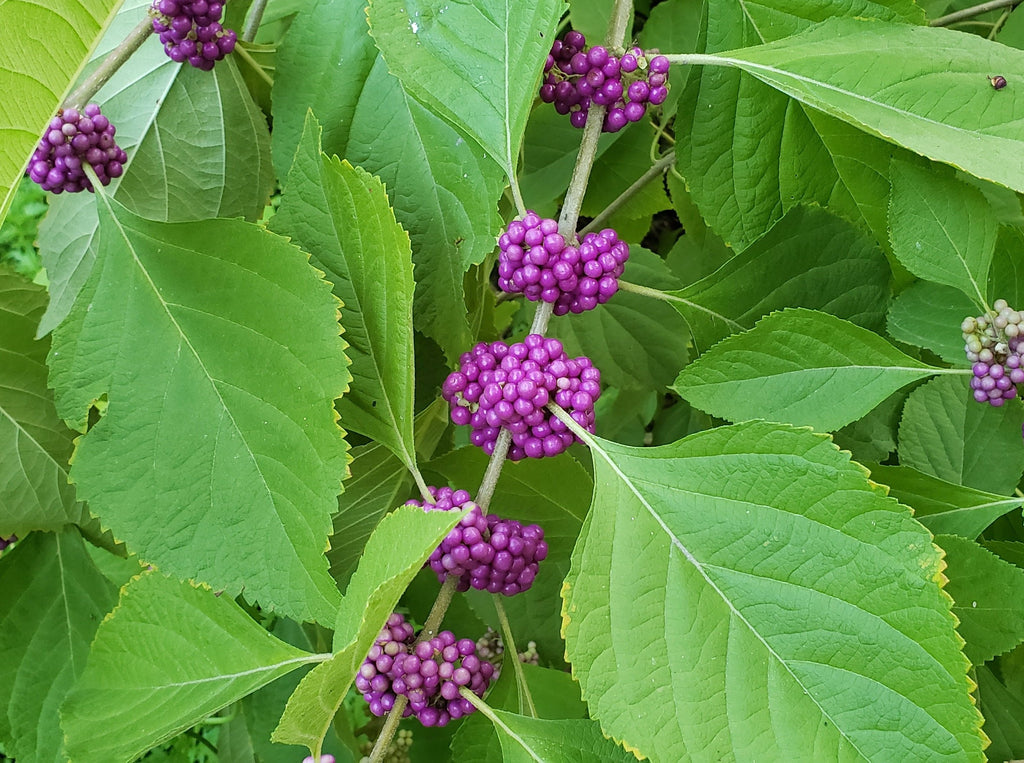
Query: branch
656, 170
82, 94
973, 11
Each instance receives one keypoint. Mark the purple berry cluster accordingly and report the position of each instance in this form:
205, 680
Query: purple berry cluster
576, 76
994, 343
73, 139
429, 674
502, 385
536, 262
191, 31
487, 553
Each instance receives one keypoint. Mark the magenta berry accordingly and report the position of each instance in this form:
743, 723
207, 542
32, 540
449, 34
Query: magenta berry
576, 77
536, 262
994, 343
71, 139
500, 385
190, 30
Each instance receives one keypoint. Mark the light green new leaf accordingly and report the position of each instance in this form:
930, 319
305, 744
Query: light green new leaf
809, 258
929, 315
923, 88
946, 433
34, 443
776, 604
941, 506
197, 145
36, 72
748, 164
394, 554
477, 65
444, 189
942, 229
168, 656
52, 598
989, 596
799, 367
341, 214
177, 327
535, 740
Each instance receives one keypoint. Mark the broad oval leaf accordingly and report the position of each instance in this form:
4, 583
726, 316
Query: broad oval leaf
35, 77
474, 64
942, 229
396, 551
532, 740
34, 443
941, 506
946, 433
989, 596
923, 88
444, 189
809, 258
341, 214
799, 367
197, 145
929, 315
775, 603
200, 442
169, 655
52, 598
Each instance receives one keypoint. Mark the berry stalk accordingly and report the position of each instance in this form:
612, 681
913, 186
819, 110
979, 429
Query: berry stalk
114, 60
253, 19
510, 646
656, 170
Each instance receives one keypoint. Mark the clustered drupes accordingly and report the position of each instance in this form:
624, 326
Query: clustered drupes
536, 261
190, 30
576, 76
72, 140
508, 385
993, 343
429, 674
487, 553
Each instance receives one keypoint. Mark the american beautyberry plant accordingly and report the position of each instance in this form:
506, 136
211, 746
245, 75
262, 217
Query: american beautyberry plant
512, 380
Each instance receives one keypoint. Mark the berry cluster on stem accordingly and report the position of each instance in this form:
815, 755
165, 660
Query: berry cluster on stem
74, 139
576, 76
994, 343
190, 30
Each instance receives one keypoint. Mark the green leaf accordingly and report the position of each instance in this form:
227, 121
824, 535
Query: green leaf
929, 315
394, 554
766, 547
34, 76
198, 148
947, 434
34, 443
609, 336
989, 596
1006, 276
231, 452
943, 230
748, 164
615, 171
475, 65
378, 483
799, 367
923, 88
341, 213
168, 656
52, 598
872, 437
553, 493
444, 189
529, 740
1004, 716
809, 258
941, 506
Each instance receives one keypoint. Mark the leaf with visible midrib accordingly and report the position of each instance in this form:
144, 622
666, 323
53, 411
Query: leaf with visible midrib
177, 327
799, 367
168, 656
774, 601
341, 214
535, 740
473, 64
34, 77
52, 598
34, 443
